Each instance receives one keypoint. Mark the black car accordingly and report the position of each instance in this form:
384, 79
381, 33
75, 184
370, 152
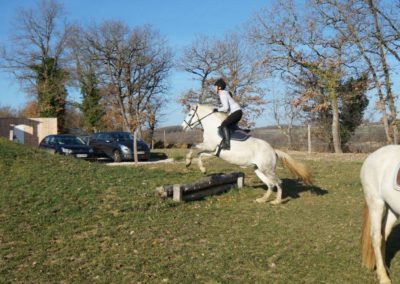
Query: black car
66, 144
118, 146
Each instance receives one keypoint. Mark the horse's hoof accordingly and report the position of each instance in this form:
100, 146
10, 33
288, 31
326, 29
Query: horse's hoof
203, 170
188, 164
260, 200
275, 202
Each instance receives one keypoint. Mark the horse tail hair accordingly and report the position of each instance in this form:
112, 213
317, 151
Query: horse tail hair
367, 251
296, 168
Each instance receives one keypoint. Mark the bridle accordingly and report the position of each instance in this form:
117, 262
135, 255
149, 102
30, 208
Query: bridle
191, 124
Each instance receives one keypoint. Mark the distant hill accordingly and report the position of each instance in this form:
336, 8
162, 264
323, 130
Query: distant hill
367, 137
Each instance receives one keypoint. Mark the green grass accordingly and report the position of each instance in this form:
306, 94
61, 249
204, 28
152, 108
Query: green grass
66, 220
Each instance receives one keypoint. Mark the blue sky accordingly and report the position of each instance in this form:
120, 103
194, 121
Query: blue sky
180, 21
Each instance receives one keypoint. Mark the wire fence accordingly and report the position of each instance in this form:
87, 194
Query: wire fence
366, 138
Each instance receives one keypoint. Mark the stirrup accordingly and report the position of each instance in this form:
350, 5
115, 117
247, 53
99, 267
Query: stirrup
220, 148
225, 146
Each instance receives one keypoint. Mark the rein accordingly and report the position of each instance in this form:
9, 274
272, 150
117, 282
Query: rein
192, 125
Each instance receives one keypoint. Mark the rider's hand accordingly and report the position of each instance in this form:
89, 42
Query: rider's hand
215, 109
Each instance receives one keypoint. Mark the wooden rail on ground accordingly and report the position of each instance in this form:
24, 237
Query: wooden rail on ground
211, 185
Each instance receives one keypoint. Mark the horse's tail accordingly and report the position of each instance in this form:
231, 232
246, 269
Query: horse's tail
296, 168
367, 251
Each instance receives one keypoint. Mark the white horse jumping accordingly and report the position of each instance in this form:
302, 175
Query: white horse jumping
382, 206
252, 152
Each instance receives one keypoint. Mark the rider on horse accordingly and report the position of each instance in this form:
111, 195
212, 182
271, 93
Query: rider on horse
230, 106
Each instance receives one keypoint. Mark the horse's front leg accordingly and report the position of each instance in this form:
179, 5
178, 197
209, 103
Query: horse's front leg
189, 157
200, 162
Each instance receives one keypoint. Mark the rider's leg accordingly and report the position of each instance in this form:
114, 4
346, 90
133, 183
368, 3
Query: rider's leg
227, 138
232, 119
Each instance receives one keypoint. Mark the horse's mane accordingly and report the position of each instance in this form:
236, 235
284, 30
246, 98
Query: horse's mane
220, 115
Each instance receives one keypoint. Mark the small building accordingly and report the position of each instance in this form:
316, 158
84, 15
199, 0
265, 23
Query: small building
28, 131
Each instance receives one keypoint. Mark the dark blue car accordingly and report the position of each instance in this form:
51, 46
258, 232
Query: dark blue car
66, 144
118, 146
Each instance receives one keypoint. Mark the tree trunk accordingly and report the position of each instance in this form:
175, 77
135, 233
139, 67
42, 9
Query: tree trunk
377, 84
385, 119
125, 121
386, 73
335, 125
151, 135
289, 136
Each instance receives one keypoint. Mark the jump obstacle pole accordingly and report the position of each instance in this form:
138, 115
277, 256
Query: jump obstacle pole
211, 185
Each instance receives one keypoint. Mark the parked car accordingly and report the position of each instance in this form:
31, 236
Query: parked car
66, 144
118, 146
85, 138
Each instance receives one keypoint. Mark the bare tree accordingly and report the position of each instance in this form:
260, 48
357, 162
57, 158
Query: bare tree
202, 59
154, 116
382, 44
134, 66
295, 45
87, 73
231, 59
36, 56
300, 44
387, 21
7, 111
286, 113
244, 75
358, 21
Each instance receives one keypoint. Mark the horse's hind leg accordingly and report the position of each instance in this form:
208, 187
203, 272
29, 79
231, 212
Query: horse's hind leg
278, 198
270, 184
377, 210
265, 196
389, 222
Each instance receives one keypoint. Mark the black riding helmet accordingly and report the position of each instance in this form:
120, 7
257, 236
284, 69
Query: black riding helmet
220, 83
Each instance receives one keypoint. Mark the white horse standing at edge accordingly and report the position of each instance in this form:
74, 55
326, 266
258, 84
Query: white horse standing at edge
380, 183
252, 152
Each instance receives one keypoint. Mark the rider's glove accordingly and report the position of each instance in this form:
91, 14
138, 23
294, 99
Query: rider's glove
215, 110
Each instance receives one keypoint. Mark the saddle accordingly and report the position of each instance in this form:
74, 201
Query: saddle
237, 133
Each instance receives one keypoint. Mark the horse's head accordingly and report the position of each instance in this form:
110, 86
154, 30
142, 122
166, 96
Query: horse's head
200, 114
192, 118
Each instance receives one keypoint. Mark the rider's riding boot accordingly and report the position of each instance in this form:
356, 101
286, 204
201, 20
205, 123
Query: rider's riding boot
226, 145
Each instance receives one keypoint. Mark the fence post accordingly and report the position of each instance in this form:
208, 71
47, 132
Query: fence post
309, 138
11, 132
165, 141
135, 155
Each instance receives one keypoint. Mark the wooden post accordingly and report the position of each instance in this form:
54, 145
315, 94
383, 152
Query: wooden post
11, 132
309, 138
240, 181
165, 141
178, 192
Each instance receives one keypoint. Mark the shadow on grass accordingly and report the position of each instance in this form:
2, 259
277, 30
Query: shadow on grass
392, 244
158, 156
292, 188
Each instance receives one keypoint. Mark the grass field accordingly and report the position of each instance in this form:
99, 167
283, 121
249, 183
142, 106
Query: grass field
70, 221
